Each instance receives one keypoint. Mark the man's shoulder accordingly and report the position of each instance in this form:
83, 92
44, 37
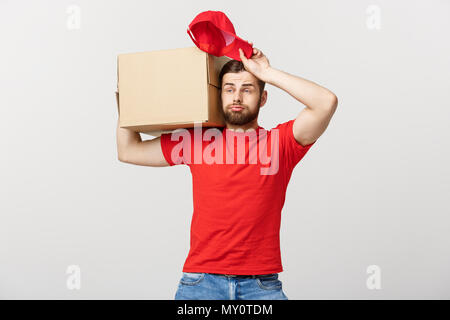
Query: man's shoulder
283, 127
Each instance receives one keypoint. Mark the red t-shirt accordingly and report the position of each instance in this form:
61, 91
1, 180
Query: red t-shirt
237, 205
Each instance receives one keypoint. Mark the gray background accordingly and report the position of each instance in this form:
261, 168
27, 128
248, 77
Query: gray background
373, 190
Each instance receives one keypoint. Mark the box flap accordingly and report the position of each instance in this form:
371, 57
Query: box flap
214, 66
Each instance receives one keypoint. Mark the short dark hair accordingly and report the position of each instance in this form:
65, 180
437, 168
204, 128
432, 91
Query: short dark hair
235, 66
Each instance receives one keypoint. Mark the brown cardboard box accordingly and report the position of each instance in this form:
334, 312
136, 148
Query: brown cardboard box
159, 91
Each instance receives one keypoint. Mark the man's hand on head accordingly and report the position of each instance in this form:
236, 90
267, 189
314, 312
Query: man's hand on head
258, 64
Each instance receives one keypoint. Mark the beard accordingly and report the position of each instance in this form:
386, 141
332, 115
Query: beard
240, 118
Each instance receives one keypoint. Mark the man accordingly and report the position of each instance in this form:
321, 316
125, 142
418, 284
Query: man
235, 252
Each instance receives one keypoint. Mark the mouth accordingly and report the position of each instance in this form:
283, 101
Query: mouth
236, 108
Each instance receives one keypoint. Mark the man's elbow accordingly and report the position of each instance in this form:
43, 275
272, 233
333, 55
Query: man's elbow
121, 157
328, 101
333, 101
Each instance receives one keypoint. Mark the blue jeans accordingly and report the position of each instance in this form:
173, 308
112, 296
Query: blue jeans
211, 286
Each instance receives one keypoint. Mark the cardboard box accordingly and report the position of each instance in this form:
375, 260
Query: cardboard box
159, 91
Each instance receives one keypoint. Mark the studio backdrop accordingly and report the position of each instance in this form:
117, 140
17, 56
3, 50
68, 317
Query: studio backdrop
367, 210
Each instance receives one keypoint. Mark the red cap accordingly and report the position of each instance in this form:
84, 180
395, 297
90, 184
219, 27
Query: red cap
214, 33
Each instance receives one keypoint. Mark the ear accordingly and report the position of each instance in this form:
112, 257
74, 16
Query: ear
263, 98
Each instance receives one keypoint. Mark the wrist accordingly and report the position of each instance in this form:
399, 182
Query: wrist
268, 75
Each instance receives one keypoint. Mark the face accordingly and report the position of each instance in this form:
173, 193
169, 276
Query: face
241, 89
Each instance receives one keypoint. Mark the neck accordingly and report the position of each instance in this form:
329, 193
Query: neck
249, 126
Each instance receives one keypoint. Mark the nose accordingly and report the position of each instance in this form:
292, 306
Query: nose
237, 97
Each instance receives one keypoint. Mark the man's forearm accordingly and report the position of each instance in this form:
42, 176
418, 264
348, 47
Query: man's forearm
307, 92
126, 138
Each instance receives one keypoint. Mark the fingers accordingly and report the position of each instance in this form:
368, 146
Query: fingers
255, 51
242, 55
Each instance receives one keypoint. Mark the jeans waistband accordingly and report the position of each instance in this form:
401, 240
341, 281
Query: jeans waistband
245, 275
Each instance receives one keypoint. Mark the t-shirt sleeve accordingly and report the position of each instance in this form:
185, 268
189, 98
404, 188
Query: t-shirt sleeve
291, 150
173, 149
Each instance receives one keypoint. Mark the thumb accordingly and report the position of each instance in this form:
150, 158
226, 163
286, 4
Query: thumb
242, 56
